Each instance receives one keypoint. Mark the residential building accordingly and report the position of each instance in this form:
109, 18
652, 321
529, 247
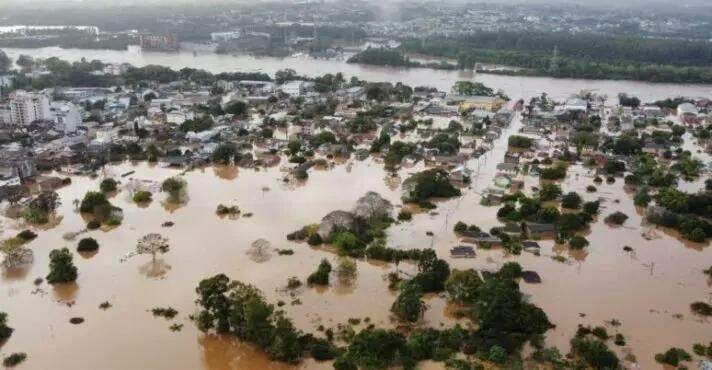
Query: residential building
66, 116
26, 108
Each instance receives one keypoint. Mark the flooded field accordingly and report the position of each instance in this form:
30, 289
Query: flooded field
648, 290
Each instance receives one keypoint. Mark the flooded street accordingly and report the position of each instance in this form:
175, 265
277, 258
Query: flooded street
515, 87
648, 290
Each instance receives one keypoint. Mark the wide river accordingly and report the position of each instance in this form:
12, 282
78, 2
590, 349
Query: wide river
514, 86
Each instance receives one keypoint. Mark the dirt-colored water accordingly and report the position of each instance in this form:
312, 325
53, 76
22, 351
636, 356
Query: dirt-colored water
514, 86
645, 290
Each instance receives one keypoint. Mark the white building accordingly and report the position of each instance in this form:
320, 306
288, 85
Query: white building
26, 108
225, 36
296, 88
5, 115
66, 116
686, 109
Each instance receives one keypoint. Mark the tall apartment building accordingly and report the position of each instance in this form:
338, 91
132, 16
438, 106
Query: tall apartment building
26, 108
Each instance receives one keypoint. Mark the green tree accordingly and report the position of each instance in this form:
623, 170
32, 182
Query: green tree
108, 185
5, 330
61, 267
462, 285
92, 200
571, 200
408, 306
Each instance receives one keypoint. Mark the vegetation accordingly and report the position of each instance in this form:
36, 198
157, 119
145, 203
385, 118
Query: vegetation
197, 124
578, 242
321, 275
5, 330
429, 184
61, 267
142, 197
14, 359
231, 307
701, 308
556, 172
168, 312
673, 356
88, 245
409, 306
92, 201
603, 57
108, 185
616, 218
520, 142
174, 186
571, 200
224, 210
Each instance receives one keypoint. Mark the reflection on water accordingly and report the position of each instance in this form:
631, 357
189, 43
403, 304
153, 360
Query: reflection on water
66, 292
157, 268
225, 172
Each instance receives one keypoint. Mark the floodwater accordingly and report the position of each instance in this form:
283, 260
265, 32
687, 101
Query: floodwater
515, 86
648, 291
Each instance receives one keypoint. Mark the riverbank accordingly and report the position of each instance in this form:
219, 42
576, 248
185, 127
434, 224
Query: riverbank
515, 87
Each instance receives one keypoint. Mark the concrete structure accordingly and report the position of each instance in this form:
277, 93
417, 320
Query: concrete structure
225, 36
296, 88
26, 108
66, 116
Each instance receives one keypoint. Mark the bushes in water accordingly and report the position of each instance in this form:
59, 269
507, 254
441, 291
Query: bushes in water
571, 200
673, 356
379, 252
92, 200
26, 235
108, 185
142, 196
616, 218
61, 267
591, 208
701, 308
5, 330
174, 186
321, 275
578, 242
87, 245
404, 215
223, 210
167, 313
14, 359
594, 353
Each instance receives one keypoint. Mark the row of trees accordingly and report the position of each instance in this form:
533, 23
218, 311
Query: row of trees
577, 55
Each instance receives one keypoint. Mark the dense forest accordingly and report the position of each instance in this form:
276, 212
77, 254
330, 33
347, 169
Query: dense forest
577, 55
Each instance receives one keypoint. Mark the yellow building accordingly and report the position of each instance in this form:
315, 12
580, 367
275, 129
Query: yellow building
488, 103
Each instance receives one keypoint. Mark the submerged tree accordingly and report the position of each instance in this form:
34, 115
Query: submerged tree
5, 331
61, 267
151, 244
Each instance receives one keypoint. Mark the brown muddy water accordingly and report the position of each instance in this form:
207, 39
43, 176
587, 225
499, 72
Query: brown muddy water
648, 291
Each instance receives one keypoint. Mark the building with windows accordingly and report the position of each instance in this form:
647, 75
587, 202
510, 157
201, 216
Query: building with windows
26, 108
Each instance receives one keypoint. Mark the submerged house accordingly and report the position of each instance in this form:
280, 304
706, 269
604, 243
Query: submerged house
539, 230
462, 251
